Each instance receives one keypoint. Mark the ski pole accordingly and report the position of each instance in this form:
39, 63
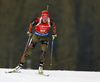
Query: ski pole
27, 44
51, 53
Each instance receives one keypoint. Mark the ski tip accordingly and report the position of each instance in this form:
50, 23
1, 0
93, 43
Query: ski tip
12, 72
9, 72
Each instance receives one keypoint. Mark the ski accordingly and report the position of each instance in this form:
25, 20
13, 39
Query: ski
12, 72
43, 74
20, 72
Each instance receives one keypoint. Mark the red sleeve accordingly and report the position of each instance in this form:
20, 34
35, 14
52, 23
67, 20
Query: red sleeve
30, 28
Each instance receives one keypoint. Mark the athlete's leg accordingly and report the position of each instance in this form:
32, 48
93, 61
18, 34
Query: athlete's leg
30, 47
28, 52
44, 45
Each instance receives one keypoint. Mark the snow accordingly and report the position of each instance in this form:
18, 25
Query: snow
29, 75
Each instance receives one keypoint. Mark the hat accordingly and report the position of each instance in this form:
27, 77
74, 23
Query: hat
45, 13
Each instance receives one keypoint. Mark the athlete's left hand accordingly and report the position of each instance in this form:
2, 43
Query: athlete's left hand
54, 36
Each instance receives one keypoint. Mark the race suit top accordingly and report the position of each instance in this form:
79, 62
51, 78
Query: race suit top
42, 29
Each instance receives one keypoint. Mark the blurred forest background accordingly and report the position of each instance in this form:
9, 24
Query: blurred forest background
78, 28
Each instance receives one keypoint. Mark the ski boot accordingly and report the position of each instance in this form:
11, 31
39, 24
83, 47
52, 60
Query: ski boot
17, 68
40, 70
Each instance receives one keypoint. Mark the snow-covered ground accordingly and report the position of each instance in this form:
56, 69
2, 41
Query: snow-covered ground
27, 75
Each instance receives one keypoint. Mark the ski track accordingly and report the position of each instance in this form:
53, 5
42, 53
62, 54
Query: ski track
29, 75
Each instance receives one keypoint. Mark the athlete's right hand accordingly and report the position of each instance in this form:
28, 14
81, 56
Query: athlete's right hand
30, 34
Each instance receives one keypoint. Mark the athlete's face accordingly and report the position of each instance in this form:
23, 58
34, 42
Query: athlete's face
45, 19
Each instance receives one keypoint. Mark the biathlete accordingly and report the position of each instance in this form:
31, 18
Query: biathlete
41, 34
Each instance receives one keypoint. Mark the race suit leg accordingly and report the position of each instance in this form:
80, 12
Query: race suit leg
34, 40
44, 45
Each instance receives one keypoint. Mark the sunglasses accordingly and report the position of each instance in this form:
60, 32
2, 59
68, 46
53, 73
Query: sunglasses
45, 18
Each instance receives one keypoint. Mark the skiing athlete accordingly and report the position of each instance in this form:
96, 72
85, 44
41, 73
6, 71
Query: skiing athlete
41, 34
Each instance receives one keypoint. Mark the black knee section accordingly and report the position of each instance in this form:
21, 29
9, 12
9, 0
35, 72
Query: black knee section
31, 45
45, 42
43, 52
26, 55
